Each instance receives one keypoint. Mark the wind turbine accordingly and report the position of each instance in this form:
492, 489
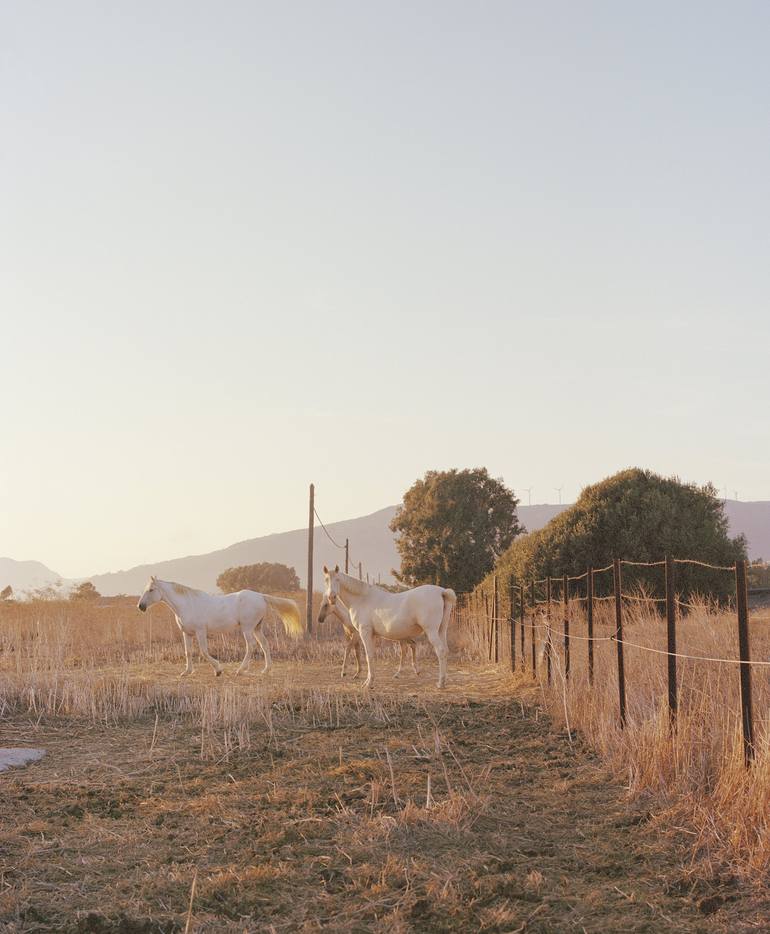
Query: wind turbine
558, 490
528, 491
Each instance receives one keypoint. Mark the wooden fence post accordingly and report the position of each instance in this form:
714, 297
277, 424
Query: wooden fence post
496, 618
310, 531
619, 640
488, 624
565, 601
534, 607
512, 602
744, 651
671, 638
590, 620
548, 628
521, 619
347, 555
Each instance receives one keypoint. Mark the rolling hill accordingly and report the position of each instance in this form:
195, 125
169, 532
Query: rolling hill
25, 575
371, 542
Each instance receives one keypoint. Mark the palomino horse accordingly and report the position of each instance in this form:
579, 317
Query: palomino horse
198, 613
398, 616
353, 641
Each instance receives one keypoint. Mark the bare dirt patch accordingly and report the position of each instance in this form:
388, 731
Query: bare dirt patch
412, 811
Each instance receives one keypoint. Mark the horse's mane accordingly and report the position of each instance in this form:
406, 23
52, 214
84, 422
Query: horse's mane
182, 589
359, 588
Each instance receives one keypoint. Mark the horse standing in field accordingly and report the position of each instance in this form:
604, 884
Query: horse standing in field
353, 641
198, 613
396, 616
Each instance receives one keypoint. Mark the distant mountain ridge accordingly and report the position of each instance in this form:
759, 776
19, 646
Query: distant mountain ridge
25, 575
371, 542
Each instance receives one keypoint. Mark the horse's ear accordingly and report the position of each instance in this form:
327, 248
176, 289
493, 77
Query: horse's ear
326, 570
336, 568
153, 578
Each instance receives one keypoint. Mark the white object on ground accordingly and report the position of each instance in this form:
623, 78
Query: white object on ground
18, 756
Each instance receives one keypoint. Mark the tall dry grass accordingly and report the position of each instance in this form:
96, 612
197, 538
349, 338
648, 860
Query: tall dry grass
110, 662
694, 776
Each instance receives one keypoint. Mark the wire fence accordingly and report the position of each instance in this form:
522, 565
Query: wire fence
534, 605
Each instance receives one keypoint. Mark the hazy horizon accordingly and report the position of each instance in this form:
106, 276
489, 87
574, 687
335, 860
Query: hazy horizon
254, 246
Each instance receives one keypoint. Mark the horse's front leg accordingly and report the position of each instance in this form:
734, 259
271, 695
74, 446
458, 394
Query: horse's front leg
203, 644
367, 638
348, 644
188, 669
357, 647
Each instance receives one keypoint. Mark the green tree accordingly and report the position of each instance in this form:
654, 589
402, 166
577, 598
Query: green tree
452, 527
85, 591
265, 577
640, 516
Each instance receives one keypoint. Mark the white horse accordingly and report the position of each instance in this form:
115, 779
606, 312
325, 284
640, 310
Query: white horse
198, 613
398, 616
353, 640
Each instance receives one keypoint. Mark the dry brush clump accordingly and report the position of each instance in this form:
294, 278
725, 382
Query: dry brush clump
693, 775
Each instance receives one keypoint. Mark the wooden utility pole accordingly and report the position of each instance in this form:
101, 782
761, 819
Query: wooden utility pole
310, 531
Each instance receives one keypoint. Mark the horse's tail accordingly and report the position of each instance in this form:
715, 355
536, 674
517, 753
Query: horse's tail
289, 613
450, 599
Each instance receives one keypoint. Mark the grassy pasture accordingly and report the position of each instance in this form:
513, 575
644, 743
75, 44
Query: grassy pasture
296, 801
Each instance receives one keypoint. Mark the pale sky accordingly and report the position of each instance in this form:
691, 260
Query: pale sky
247, 246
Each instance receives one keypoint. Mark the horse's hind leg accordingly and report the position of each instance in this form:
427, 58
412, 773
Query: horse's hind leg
401, 657
438, 641
187, 655
413, 648
251, 644
203, 644
259, 636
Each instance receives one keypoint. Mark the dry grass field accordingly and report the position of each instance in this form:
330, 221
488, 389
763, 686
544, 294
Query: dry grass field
693, 778
298, 802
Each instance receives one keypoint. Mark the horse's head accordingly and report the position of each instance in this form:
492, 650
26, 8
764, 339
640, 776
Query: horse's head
151, 594
331, 591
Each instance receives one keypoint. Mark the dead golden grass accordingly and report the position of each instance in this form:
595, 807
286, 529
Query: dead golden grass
693, 777
297, 801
